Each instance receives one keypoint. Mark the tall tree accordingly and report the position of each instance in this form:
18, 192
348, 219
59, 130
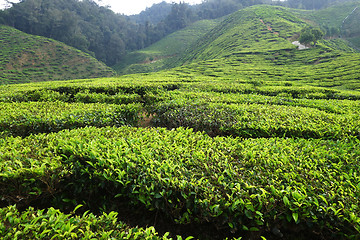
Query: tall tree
310, 35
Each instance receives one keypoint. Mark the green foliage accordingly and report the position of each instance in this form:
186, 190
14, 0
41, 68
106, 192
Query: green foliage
317, 67
257, 120
333, 16
338, 20
349, 28
270, 148
309, 4
102, 90
340, 44
355, 41
106, 35
242, 184
23, 119
154, 14
160, 54
28, 58
80, 24
250, 30
310, 35
53, 224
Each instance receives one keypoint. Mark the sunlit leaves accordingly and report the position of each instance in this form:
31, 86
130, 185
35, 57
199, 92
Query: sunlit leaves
240, 184
54, 224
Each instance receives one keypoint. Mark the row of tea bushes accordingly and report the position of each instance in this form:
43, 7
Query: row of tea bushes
23, 119
256, 120
54, 224
67, 90
255, 185
46, 95
279, 88
116, 94
326, 105
146, 89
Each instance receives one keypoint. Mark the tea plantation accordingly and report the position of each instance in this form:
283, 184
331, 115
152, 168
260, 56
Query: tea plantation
338, 20
28, 58
246, 144
160, 54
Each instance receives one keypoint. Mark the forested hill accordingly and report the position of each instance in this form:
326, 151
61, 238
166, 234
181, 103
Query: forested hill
154, 14
29, 58
94, 29
81, 24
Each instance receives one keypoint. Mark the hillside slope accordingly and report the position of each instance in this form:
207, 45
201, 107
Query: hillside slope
341, 19
29, 58
159, 54
250, 30
80, 24
254, 45
258, 29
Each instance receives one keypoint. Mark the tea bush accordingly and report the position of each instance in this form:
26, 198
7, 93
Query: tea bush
23, 119
244, 185
256, 120
53, 224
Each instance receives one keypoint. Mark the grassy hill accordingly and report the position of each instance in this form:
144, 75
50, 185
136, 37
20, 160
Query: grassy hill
28, 58
339, 20
251, 30
160, 54
256, 29
240, 143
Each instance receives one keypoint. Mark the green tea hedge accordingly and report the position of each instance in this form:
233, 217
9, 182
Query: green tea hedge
256, 120
256, 185
54, 224
23, 119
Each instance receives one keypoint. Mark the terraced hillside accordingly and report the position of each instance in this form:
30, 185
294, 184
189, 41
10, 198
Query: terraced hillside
260, 144
340, 20
28, 58
159, 55
251, 30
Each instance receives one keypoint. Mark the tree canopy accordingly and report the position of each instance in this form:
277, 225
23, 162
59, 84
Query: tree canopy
309, 4
81, 24
310, 35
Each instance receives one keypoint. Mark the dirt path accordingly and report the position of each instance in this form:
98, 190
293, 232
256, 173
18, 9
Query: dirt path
269, 27
342, 24
349, 15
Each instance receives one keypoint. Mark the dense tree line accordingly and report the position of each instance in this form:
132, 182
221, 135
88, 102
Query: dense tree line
91, 28
211, 9
82, 24
183, 14
310, 4
154, 14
